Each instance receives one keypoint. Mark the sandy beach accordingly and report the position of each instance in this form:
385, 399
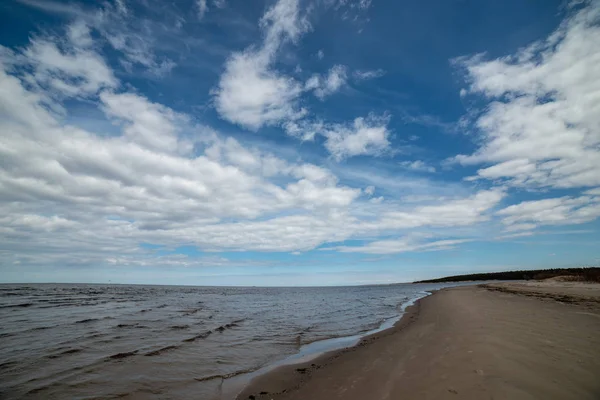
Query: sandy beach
500, 341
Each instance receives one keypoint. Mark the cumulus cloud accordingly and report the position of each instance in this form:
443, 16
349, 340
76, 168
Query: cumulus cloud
418, 166
541, 127
458, 212
250, 92
131, 35
454, 213
553, 211
365, 136
72, 195
324, 86
150, 125
146, 185
66, 68
97, 195
252, 95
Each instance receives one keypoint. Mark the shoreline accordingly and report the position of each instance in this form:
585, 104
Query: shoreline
296, 372
500, 341
236, 386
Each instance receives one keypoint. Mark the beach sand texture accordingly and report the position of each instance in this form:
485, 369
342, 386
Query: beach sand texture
502, 341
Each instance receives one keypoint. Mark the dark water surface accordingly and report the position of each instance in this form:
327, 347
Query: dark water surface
116, 341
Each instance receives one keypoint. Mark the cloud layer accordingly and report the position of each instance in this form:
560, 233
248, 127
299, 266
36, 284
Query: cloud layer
96, 170
542, 128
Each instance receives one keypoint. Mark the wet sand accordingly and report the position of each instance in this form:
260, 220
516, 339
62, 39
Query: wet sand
503, 341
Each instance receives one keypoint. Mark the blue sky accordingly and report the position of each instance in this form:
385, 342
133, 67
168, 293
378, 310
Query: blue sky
331, 142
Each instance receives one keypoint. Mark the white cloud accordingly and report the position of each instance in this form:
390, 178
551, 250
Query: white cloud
364, 4
541, 129
376, 200
553, 211
108, 193
459, 212
63, 68
368, 74
366, 136
150, 125
331, 83
402, 245
202, 8
320, 54
252, 94
91, 196
418, 165
130, 35
515, 235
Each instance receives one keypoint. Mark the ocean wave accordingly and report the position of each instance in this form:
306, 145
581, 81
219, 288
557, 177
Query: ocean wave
224, 376
20, 305
179, 327
85, 321
200, 336
160, 351
63, 353
120, 356
126, 325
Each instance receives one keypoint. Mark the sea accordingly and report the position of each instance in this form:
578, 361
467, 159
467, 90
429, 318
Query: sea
84, 341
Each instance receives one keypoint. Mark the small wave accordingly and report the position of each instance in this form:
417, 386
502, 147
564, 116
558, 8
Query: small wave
71, 351
21, 305
192, 311
179, 327
229, 326
40, 328
160, 351
200, 336
224, 376
126, 325
85, 321
120, 356
64, 353
7, 294
8, 365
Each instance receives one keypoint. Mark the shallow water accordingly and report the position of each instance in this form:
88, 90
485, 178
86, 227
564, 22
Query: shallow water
108, 341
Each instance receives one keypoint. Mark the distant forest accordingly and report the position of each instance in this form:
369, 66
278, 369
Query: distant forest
572, 274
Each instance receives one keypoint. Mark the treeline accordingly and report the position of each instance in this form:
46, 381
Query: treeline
591, 274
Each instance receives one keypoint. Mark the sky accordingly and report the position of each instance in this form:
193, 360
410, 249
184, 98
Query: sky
297, 142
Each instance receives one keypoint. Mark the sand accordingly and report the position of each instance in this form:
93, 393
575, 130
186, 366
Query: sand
506, 341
